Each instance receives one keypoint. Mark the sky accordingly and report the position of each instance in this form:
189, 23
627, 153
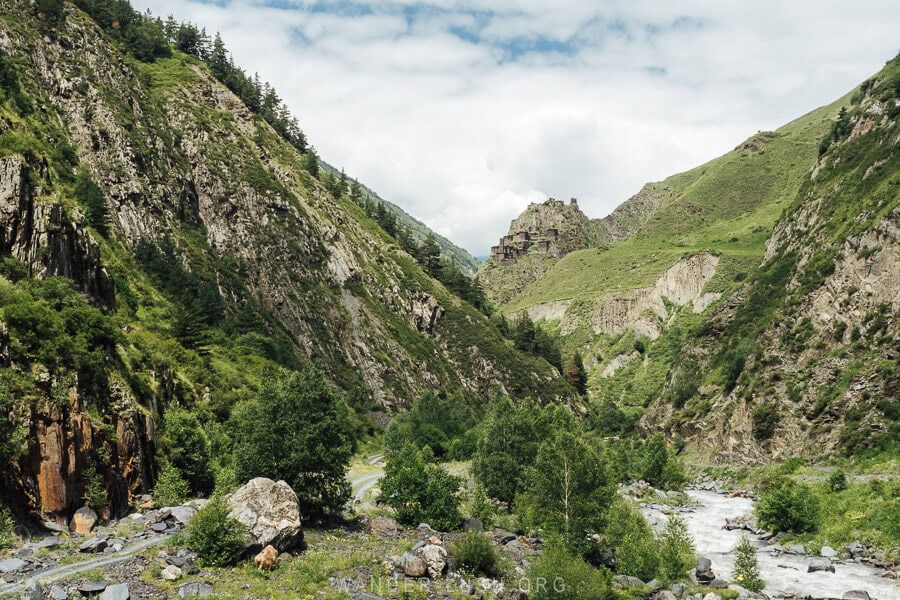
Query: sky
465, 111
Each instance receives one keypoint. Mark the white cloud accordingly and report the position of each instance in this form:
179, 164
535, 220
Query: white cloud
463, 134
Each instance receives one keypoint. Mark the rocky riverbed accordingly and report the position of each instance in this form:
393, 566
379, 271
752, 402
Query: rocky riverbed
785, 569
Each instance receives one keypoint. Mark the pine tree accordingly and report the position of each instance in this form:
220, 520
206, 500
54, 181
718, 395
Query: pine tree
746, 569
676, 549
218, 59
575, 374
312, 162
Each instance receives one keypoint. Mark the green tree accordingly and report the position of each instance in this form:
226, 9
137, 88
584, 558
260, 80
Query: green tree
312, 162
636, 549
187, 449
300, 430
660, 467
215, 536
510, 437
52, 11
676, 550
171, 489
837, 481
90, 197
7, 529
429, 256
567, 490
746, 569
575, 373
421, 492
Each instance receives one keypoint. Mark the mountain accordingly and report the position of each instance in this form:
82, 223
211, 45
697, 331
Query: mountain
164, 245
467, 263
722, 305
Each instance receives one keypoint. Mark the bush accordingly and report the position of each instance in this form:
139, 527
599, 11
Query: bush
217, 538
746, 571
660, 468
481, 507
765, 420
187, 448
676, 550
837, 482
561, 575
475, 553
789, 507
171, 489
633, 541
7, 529
299, 430
421, 492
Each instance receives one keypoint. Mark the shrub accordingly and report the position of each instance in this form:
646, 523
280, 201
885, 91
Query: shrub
481, 507
187, 448
746, 571
171, 488
561, 575
217, 538
765, 420
837, 482
420, 492
7, 529
659, 467
475, 553
676, 550
633, 541
90, 197
789, 507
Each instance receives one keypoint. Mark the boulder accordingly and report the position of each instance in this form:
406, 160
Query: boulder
703, 571
116, 592
820, 564
93, 545
472, 524
678, 589
183, 514
171, 573
712, 596
512, 594
503, 537
195, 589
92, 587
265, 560
58, 592
11, 564
412, 565
856, 550
665, 595
435, 558
856, 595
83, 521
828, 552
271, 513
384, 528
627, 581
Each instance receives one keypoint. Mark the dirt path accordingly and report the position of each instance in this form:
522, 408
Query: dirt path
51, 574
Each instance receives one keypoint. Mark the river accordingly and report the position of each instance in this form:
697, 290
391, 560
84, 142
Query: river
784, 574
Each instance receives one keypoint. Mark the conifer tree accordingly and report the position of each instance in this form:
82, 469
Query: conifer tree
746, 569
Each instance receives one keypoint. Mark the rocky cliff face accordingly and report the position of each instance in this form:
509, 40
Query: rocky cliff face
178, 157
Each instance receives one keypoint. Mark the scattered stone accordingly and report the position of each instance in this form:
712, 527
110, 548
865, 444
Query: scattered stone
417, 545
51, 541
796, 549
368, 596
412, 565
116, 592
472, 524
159, 527
435, 558
820, 564
92, 587
856, 550
36, 591
83, 521
171, 573
195, 589
11, 564
828, 552
178, 561
712, 596
512, 594
503, 537
678, 589
424, 530
265, 560
717, 583
856, 595
271, 513
384, 528
58, 593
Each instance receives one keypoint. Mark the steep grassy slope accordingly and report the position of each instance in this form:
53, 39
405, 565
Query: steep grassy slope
210, 253
666, 318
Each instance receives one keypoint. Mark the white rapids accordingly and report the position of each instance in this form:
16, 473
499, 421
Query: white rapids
785, 574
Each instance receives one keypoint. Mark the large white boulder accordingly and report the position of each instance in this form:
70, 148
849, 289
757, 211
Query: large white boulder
271, 513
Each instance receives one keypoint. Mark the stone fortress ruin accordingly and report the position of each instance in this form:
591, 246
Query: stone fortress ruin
542, 240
